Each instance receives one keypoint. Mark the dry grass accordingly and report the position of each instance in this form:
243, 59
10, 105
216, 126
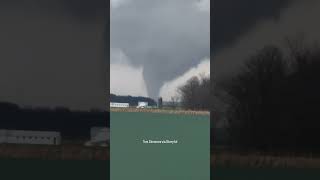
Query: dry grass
258, 160
165, 111
63, 152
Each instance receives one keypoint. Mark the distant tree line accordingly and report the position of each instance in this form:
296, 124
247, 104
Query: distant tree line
71, 124
132, 100
273, 102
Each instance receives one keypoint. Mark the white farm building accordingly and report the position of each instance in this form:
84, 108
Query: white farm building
30, 137
99, 136
119, 105
142, 105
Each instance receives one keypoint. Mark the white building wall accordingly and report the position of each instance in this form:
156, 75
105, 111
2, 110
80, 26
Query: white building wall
142, 104
119, 105
30, 137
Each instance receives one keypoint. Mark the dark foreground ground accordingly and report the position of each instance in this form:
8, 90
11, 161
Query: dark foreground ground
100, 170
258, 166
51, 152
264, 174
54, 170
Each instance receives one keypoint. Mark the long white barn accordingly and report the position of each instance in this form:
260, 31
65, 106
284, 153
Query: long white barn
30, 137
119, 105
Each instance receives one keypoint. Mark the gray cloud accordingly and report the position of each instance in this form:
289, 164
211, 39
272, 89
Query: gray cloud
233, 18
236, 42
298, 18
166, 37
52, 53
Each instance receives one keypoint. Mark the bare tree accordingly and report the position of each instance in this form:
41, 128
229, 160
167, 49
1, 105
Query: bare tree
195, 94
273, 106
174, 102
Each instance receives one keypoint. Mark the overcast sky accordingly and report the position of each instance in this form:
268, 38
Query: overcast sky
158, 43
52, 53
241, 28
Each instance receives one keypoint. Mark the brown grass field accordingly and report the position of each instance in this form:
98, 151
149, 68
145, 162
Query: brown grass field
165, 111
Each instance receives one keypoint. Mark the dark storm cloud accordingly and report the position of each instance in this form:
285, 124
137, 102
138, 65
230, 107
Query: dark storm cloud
233, 44
299, 19
81, 9
232, 18
166, 37
52, 53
